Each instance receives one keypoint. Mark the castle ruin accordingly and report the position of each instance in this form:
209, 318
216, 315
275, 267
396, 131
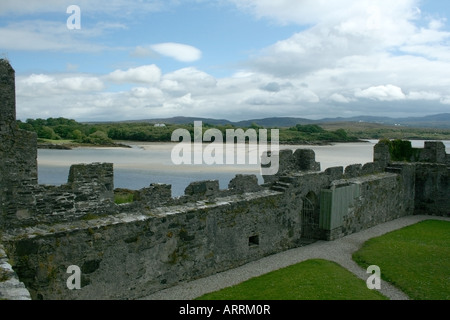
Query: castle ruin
132, 250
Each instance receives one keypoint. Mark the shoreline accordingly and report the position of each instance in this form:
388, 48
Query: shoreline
74, 145
128, 144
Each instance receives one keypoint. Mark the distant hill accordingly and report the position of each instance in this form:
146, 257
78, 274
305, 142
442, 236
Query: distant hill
433, 121
441, 121
185, 120
275, 122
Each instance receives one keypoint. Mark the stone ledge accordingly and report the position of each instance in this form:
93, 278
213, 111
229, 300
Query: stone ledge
124, 218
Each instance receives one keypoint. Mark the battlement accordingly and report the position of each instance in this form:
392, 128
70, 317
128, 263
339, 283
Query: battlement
433, 152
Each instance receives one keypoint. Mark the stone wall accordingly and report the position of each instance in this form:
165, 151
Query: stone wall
360, 203
11, 288
130, 256
431, 186
133, 254
150, 245
432, 189
18, 155
88, 193
433, 151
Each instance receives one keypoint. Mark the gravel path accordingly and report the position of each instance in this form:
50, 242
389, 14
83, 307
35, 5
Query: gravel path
339, 251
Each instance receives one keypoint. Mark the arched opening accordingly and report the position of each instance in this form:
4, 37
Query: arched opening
310, 216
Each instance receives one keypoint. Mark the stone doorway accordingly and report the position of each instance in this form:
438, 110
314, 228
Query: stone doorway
310, 216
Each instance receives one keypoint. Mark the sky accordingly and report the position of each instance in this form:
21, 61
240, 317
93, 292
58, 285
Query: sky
227, 59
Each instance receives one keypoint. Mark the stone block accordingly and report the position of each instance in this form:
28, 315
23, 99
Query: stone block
203, 188
335, 173
433, 152
244, 183
381, 154
353, 171
305, 160
155, 195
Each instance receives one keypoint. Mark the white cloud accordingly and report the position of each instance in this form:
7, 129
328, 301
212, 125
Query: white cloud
382, 93
337, 97
311, 12
445, 100
178, 51
46, 85
294, 11
436, 24
189, 79
37, 79
143, 74
81, 84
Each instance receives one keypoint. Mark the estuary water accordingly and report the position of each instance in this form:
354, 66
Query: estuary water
146, 163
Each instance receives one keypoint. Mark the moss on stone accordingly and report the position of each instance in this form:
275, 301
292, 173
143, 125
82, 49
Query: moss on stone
4, 276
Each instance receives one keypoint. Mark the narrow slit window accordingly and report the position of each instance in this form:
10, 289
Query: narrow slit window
253, 241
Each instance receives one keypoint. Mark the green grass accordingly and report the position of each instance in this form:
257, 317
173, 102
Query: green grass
309, 280
120, 198
415, 259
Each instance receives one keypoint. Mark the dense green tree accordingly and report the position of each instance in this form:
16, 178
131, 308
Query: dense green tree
47, 133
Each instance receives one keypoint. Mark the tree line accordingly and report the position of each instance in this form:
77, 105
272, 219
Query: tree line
107, 133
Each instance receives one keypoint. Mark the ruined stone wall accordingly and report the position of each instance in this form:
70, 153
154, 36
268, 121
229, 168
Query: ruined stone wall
133, 254
18, 155
88, 193
431, 176
157, 241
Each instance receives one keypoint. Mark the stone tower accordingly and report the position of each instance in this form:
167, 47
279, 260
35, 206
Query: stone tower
18, 155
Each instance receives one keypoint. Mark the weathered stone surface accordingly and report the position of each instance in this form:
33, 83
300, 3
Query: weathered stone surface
434, 152
133, 255
291, 162
18, 155
202, 189
244, 183
381, 154
155, 195
379, 198
432, 189
353, 171
10, 286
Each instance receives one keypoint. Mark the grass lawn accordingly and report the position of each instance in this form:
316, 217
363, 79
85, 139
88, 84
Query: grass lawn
309, 280
415, 259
